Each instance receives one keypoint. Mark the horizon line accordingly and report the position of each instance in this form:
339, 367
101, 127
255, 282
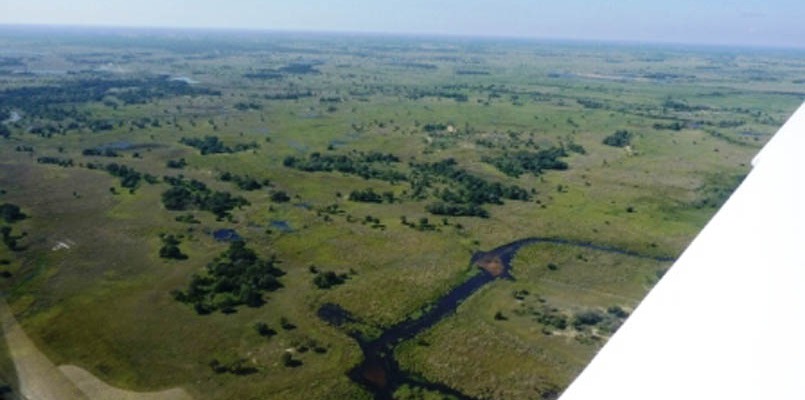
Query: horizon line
423, 35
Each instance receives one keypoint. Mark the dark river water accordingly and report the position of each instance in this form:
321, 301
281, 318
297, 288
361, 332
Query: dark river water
381, 374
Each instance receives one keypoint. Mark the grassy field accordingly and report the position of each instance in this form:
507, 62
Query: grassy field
88, 286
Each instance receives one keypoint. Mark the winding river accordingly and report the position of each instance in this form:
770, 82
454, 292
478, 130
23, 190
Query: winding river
381, 374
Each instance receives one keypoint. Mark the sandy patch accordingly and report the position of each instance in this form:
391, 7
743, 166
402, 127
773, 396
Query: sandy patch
491, 264
40, 379
96, 389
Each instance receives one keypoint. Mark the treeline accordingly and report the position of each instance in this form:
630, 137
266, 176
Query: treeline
370, 196
55, 161
472, 72
288, 96
96, 152
189, 194
457, 210
416, 94
356, 163
237, 277
517, 163
292, 69
214, 145
40, 100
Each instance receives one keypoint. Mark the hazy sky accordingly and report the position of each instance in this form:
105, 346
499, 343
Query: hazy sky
748, 22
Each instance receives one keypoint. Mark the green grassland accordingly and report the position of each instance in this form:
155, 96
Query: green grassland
104, 301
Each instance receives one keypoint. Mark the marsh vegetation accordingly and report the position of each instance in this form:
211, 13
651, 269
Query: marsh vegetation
246, 231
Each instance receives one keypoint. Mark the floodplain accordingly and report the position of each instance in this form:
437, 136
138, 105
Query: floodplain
234, 215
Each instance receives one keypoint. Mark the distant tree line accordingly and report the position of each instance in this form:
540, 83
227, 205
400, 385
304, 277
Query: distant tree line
57, 102
107, 152
288, 95
292, 69
55, 161
214, 145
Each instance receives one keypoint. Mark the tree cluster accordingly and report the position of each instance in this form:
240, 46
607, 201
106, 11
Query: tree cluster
237, 277
328, 279
176, 164
9, 240
170, 248
464, 188
517, 163
620, 138
188, 194
359, 164
244, 182
129, 177
11, 213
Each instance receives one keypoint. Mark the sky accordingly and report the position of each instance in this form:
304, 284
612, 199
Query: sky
777, 23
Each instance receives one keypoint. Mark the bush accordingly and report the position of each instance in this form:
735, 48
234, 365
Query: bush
263, 329
280, 197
